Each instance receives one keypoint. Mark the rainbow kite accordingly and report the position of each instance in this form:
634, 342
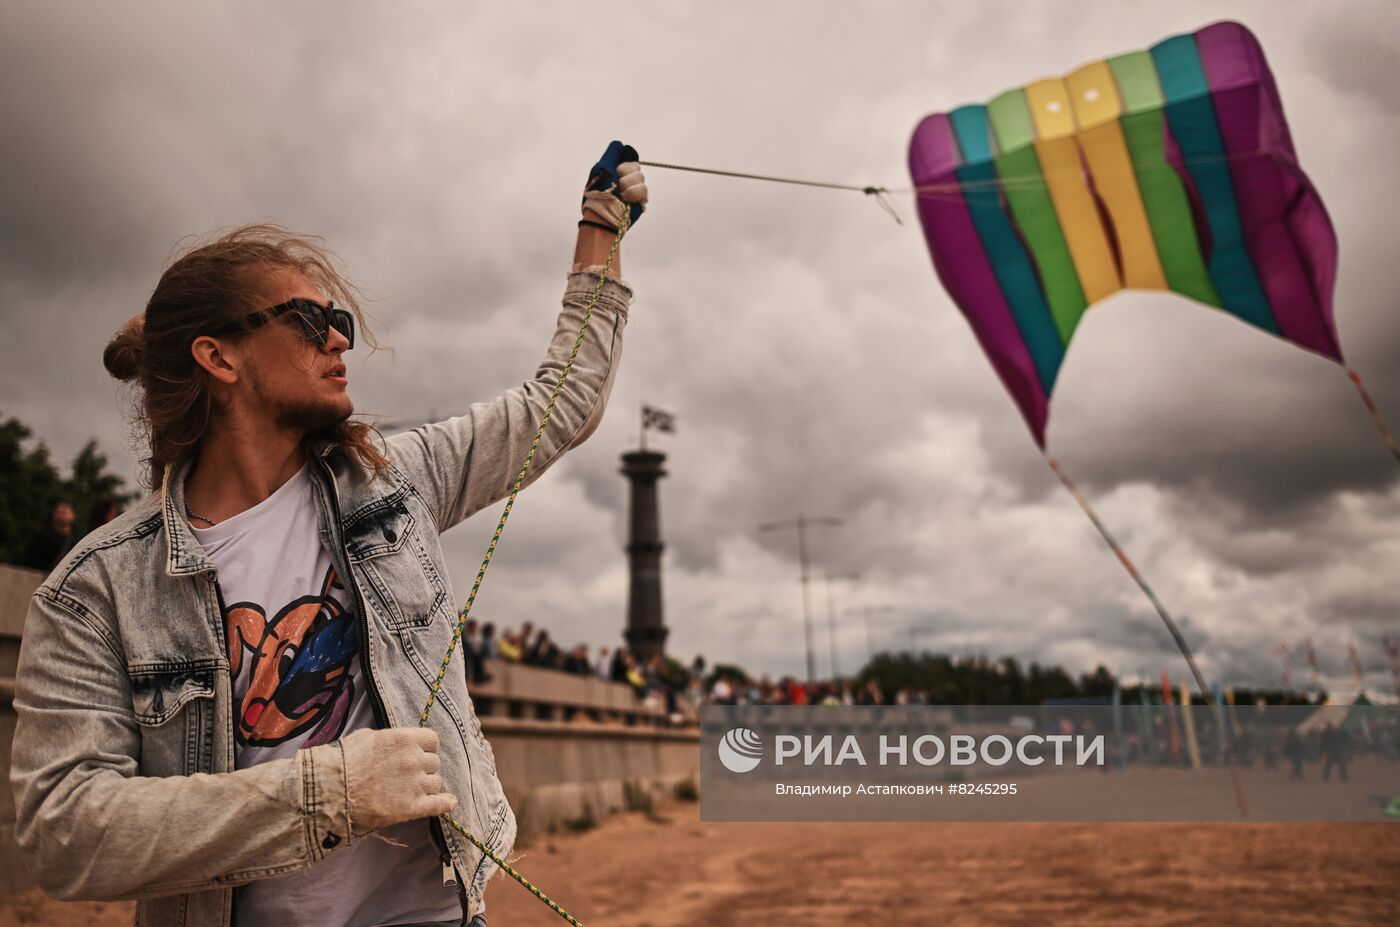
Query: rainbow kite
1166, 169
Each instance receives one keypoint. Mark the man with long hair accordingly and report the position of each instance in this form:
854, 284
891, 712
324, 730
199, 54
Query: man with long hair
219, 691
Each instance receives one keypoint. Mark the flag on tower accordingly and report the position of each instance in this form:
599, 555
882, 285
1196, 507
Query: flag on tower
658, 420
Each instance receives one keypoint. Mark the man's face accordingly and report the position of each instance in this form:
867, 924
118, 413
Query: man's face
63, 518
300, 385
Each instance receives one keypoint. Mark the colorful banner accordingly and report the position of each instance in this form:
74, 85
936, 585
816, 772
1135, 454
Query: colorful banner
1188, 717
1171, 717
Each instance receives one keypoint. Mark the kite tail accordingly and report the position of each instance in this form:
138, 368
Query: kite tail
1161, 611
1386, 436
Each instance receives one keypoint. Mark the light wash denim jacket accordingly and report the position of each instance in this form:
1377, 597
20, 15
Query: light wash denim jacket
123, 764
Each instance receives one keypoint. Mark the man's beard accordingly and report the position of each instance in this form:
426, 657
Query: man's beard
311, 418
314, 419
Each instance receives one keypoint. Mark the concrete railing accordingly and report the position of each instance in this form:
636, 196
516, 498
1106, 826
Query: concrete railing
569, 746
523, 692
566, 745
17, 585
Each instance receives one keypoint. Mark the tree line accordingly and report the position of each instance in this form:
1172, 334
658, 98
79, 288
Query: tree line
31, 484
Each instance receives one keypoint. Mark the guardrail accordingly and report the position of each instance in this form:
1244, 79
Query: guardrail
17, 585
530, 693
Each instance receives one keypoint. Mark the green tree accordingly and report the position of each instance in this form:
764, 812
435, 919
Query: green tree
977, 680
1099, 682
91, 484
30, 484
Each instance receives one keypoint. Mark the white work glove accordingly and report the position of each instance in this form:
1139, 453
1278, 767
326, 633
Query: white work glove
391, 776
616, 187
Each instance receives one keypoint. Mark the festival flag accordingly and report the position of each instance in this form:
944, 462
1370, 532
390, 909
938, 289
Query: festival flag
1354, 661
1392, 653
1147, 719
1118, 724
1284, 651
1234, 719
1193, 748
1221, 732
1171, 717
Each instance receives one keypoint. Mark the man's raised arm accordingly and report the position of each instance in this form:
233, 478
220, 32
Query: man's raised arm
466, 463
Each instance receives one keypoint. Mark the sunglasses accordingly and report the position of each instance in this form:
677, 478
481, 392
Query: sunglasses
314, 319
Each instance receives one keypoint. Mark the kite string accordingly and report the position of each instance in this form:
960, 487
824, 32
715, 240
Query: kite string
877, 193
1375, 411
866, 189
1161, 611
957, 188
447, 818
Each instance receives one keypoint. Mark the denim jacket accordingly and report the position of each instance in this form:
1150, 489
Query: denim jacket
123, 761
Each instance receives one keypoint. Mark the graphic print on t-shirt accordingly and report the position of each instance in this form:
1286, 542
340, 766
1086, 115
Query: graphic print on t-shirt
299, 677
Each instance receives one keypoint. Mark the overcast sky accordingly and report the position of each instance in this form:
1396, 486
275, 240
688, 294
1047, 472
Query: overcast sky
801, 337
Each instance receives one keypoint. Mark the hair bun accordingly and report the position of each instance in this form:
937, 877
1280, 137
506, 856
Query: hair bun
123, 354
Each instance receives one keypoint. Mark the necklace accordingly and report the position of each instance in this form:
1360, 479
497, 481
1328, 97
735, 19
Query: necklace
200, 517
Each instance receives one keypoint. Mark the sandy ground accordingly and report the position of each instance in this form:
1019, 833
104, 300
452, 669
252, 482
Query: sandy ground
632, 871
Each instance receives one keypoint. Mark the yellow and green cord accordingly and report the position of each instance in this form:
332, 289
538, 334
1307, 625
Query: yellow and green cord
448, 819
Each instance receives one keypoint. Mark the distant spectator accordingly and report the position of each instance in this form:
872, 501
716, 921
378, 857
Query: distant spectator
660, 680
471, 653
1295, 751
488, 641
634, 677
543, 653
618, 673
103, 511
49, 546
722, 692
1336, 745
576, 661
508, 646
697, 667
603, 667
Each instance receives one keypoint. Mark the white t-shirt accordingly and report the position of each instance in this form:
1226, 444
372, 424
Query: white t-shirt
294, 652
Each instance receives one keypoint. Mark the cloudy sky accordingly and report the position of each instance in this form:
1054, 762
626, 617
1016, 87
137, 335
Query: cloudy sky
800, 336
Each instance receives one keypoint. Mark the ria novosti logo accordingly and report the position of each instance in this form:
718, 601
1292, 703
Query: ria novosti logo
740, 750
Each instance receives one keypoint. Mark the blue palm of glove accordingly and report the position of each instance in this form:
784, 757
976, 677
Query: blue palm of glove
603, 175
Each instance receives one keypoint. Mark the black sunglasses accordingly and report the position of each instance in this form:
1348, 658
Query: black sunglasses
315, 320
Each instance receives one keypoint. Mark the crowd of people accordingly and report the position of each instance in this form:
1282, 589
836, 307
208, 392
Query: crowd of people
655, 680
730, 690
658, 678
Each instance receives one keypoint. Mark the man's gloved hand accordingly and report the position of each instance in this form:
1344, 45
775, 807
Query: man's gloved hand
615, 184
391, 776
